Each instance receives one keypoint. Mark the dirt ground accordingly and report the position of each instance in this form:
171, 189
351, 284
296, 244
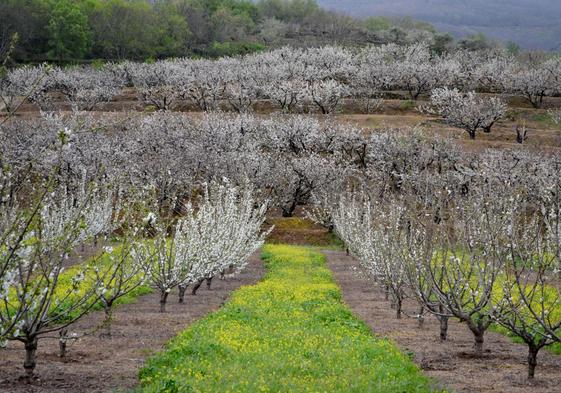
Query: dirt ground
450, 364
396, 113
97, 364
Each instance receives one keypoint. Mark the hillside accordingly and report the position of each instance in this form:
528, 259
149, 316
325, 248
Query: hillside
533, 24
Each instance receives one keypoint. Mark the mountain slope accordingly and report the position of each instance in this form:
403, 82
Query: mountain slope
530, 23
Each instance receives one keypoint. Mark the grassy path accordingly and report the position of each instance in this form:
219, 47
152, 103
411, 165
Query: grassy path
289, 333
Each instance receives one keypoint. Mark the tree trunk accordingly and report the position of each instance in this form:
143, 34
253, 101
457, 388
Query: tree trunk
62, 343
471, 134
398, 308
443, 327
182, 288
208, 282
532, 360
30, 355
286, 213
196, 287
163, 300
478, 344
108, 310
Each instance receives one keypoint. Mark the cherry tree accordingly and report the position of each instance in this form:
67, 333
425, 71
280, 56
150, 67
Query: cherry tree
288, 94
228, 227
218, 232
492, 71
208, 84
242, 86
163, 260
326, 94
84, 88
156, 83
533, 81
372, 76
22, 84
40, 298
468, 264
417, 70
377, 236
529, 300
468, 111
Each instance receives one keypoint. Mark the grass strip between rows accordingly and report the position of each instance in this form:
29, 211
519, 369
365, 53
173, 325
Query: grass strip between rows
289, 333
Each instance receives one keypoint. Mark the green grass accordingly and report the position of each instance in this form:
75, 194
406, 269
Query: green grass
407, 105
289, 333
554, 348
546, 120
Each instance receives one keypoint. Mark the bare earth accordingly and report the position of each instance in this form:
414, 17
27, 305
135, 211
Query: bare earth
450, 364
103, 365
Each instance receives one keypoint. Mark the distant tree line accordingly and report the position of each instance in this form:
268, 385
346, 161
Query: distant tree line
67, 31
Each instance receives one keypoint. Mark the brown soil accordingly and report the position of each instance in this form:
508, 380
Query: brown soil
450, 364
97, 364
298, 231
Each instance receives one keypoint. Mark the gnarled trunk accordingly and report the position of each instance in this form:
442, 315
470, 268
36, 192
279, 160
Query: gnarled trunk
532, 360
196, 287
108, 310
30, 355
478, 329
398, 303
182, 288
63, 338
443, 320
163, 300
479, 341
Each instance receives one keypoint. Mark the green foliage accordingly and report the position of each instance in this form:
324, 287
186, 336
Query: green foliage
513, 48
475, 42
546, 119
71, 31
378, 23
290, 332
69, 34
220, 49
407, 105
288, 10
134, 29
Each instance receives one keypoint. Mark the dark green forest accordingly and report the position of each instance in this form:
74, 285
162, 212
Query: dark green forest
74, 31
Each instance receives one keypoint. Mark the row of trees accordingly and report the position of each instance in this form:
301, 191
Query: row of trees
483, 248
292, 80
289, 157
42, 223
285, 157
51, 206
